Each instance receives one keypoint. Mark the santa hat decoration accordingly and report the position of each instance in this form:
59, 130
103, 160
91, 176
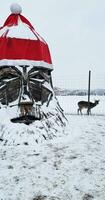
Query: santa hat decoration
20, 44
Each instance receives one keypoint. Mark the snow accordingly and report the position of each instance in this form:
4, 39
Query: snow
51, 125
6, 80
39, 64
48, 86
70, 166
38, 80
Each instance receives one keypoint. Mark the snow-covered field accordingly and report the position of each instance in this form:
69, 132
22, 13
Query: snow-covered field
69, 167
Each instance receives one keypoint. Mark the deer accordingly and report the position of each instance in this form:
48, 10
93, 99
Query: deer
86, 105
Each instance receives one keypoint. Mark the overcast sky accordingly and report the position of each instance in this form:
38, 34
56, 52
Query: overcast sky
75, 33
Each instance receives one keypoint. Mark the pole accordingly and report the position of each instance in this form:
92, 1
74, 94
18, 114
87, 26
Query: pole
89, 92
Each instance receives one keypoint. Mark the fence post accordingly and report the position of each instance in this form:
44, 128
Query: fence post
89, 80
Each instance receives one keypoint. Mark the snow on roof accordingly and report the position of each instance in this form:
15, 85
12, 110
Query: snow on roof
48, 86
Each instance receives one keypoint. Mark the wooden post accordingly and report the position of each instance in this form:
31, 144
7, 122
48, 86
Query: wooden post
89, 92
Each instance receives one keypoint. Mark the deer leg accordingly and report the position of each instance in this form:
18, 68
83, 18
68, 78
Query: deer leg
88, 111
81, 111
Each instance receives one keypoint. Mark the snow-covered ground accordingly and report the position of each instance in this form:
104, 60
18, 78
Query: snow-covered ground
69, 167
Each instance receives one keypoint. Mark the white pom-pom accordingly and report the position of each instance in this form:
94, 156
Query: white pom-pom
16, 8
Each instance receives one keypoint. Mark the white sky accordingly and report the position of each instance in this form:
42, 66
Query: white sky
75, 33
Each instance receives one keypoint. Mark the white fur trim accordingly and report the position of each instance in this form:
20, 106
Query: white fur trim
16, 8
39, 64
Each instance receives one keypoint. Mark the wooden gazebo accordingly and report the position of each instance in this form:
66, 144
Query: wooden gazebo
25, 66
